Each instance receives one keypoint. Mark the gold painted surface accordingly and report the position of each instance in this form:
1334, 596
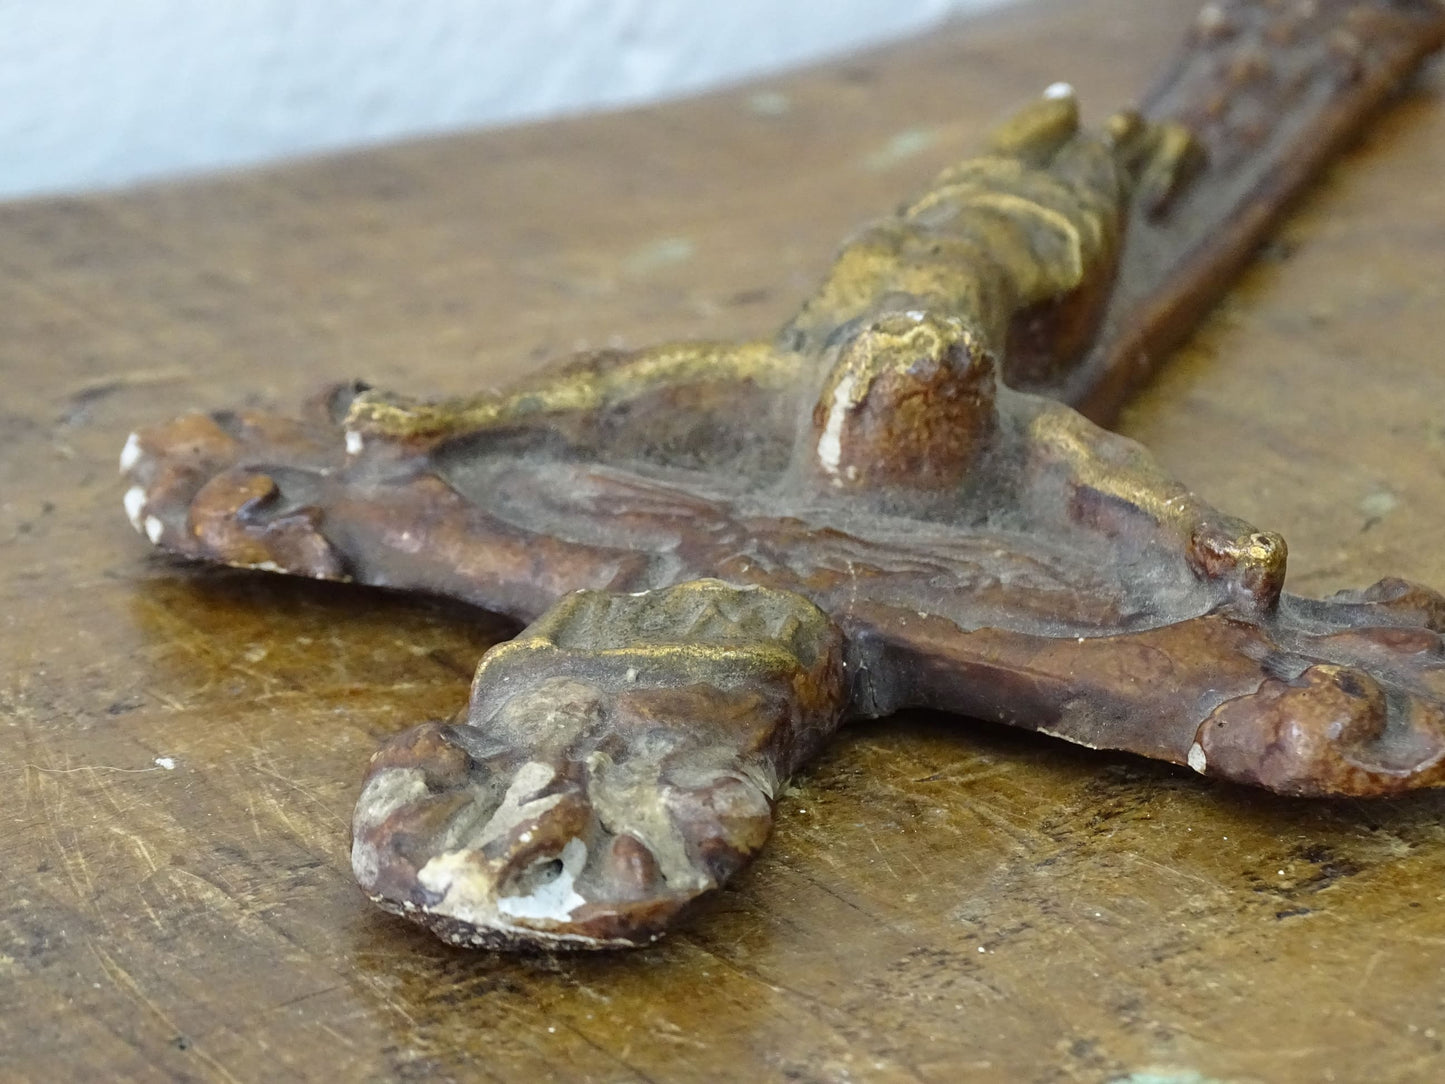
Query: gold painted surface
940, 901
582, 390
1136, 480
1033, 219
1030, 221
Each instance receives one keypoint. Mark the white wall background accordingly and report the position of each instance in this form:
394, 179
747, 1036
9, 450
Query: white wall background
99, 93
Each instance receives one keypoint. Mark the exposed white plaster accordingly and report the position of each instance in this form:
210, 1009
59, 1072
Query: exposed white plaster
388, 791
1197, 760
1064, 735
154, 529
455, 876
830, 444
555, 899
518, 805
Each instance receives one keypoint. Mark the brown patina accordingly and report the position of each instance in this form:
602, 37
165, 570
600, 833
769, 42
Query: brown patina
903, 499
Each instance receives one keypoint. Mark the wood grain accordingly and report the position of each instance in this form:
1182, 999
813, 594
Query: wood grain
932, 906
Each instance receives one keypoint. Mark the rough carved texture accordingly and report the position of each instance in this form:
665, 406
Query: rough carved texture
976, 548
620, 757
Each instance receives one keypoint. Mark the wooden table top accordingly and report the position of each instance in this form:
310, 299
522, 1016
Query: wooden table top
180, 748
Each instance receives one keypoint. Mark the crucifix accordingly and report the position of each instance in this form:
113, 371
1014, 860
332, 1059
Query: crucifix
906, 497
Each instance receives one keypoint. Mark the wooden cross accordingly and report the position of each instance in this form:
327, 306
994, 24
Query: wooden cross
905, 498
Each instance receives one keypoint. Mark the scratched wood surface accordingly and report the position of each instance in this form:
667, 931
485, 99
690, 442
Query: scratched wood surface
180, 748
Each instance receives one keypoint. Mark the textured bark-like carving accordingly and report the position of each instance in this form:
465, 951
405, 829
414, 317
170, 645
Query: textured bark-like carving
889, 504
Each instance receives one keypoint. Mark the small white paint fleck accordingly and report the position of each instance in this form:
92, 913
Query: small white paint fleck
168, 763
1198, 761
1055, 91
135, 502
631, 675
354, 443
130, 454
916, 315
1281, 873
154, 529
982, 949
